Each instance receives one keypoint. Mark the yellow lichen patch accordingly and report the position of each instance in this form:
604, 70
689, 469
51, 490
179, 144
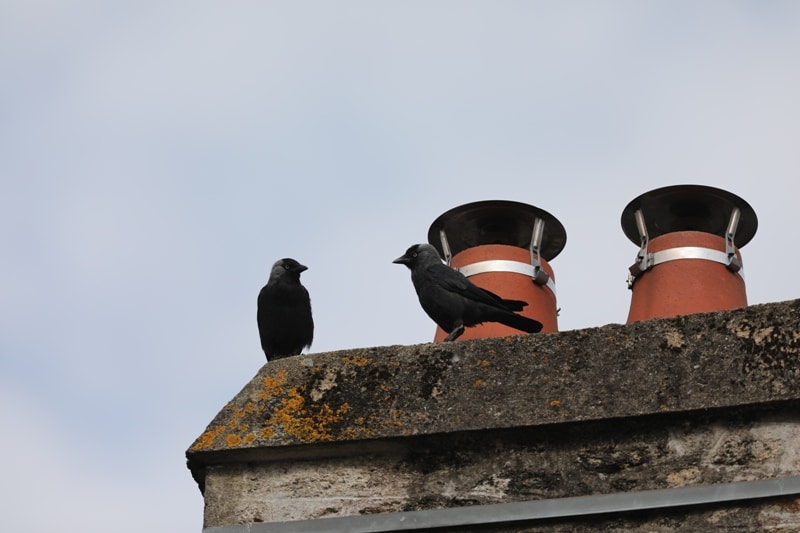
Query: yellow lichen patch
356, 360
482, 362
555, 403
273, 385
478, 383
208, 437
295, 401
361, 428
235, 428
241, 412
305, 423
393, 420
235, 425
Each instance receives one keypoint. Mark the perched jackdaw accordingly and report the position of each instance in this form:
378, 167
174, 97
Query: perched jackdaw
284, 312
452, 301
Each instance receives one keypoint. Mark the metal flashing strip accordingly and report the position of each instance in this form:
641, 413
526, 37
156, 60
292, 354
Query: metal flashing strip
505, 265
531, 510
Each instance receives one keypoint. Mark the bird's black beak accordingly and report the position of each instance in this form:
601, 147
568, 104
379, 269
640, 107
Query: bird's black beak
402, 260
300, 268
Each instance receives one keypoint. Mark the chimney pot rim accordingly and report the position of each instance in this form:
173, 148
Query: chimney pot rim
461, 227
657, 204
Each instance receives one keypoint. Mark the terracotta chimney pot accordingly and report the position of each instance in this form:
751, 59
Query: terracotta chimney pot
689, 259
504, 247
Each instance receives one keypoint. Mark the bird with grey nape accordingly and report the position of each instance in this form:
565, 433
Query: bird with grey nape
284, 317
454, 302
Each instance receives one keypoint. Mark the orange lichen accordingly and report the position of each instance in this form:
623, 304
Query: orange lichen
235, 425
356, 360
395, 415
305, 423
208, 437
241, 412
555, 403
273, 385
288, 413
478, 383
357, 433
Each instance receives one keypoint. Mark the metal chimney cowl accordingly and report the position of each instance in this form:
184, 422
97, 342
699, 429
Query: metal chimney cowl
689, 260
504, 247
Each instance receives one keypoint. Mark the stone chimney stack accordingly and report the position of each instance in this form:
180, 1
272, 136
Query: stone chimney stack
687, 418
677, 424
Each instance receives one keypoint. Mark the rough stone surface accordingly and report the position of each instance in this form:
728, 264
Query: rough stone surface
485, 467
698, 399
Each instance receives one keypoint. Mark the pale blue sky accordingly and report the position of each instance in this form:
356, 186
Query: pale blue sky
157, 158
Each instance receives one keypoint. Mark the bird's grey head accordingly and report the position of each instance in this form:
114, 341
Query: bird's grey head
287, 266
419, 254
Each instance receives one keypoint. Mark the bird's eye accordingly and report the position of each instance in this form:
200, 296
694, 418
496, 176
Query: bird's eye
414, 254
286, 267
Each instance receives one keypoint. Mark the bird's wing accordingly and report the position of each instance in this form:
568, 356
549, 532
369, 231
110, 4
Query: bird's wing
456, 282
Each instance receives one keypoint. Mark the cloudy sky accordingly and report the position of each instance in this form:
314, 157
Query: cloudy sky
157, 157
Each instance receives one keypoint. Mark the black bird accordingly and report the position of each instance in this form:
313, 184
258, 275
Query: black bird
454, 302
284, 312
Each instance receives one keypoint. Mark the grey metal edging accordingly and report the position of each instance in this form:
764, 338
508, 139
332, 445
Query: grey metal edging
530, 510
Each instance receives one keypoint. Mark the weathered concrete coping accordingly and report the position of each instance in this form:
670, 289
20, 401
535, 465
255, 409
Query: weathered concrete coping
695, 362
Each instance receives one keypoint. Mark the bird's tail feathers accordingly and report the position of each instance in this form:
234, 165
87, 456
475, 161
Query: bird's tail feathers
522, 323
514, 305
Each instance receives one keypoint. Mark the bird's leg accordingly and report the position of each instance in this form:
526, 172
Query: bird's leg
456, 333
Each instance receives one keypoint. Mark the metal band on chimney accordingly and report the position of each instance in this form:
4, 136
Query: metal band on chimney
694, 252
684, 252
515, 267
